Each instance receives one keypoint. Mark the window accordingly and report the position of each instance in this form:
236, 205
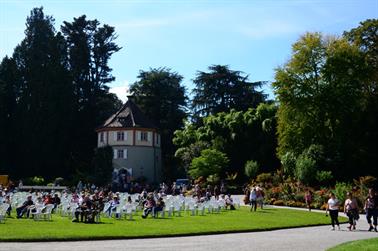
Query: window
102, 137
157, 139
120, 154
120, 136
143, 136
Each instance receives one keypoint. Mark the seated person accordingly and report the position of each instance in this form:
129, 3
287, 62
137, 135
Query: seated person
229, 202
114, 203
56, 201
84, 210
8, 201
149, 204
24, 208
159, 206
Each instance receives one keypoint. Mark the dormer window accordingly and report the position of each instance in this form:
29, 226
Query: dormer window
120, 136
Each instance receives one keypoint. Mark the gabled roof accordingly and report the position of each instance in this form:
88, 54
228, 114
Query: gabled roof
128, 116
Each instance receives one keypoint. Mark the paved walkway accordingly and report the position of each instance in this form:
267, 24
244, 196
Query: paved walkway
309, 239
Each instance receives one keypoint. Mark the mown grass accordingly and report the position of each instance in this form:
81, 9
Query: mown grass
61, 228
361, 245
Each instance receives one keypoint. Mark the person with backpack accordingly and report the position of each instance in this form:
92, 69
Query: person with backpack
371, 209
351, 210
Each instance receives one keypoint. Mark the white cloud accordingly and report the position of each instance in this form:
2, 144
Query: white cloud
122, 90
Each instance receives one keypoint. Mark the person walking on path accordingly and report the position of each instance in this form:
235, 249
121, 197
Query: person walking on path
371, 209
351, 210
252, 199
333, 209
308, 199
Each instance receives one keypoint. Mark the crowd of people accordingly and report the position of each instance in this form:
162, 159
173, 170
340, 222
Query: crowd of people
90, 202
351, 210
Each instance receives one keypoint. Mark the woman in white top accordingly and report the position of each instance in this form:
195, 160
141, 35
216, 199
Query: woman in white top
333, 208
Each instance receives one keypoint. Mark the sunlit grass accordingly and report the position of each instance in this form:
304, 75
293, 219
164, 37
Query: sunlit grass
61, 228
361, 245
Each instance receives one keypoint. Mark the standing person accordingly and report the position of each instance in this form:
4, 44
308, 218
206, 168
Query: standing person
252, 199
247, 193
216, 192
371, 208
260, 196
351, 210
308, 199
333, 209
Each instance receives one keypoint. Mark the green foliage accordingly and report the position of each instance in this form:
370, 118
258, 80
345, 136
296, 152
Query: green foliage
103, 166
240, 135
53, 95
321, 95
341, 189
161, 96
264, 178
251, 168
213, 179
288, 161
222, 89
210, 162
305, 169
36, 180
324, 177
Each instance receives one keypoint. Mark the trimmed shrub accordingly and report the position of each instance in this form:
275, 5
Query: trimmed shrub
278, 203
251, 168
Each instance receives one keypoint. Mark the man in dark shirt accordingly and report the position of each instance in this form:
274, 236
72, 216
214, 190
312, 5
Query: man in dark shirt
84, 209
24, 208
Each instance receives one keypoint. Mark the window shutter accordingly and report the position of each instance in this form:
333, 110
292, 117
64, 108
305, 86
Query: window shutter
115, 136
115, 153
139, 135
125, 135
125, 153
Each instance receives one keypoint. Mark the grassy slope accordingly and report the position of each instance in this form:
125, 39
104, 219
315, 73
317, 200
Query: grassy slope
361, 245
227, 221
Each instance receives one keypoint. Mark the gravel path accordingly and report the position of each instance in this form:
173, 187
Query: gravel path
308, 238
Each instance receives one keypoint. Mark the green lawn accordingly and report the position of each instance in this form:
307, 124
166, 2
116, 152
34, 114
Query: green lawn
61, 228
361, 245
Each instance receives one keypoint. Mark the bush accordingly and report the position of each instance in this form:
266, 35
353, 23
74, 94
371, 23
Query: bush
278, 203
288, 161
305, 170
264, 178
36, 180
324, 177
251, 168
341, 188
210, 162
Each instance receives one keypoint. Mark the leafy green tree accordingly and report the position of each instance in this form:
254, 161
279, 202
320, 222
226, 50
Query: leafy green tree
103, 165
161, 96
251, 169
365, 37
9, 82
222, 89
90, 47
320, 95
305, 169
242, 136
210, 162
44, 95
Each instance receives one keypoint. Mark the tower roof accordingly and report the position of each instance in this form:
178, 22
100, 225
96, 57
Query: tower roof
128, 116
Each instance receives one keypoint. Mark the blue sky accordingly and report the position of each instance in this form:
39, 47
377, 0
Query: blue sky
251, 36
